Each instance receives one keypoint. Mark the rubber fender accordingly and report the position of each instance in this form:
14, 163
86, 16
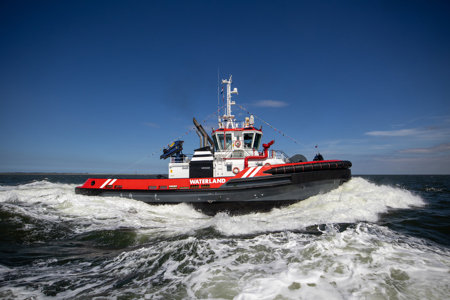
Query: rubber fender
302, 167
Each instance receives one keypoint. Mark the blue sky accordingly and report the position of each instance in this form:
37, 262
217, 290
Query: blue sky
101, 86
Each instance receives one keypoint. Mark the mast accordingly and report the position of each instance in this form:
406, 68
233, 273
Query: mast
218, 94
228, 116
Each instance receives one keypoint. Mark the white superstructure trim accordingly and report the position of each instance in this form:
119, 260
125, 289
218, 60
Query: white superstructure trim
106, 182
256, 171
248, 172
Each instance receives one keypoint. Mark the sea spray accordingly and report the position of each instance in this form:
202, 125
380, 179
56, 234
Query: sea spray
331, 246
357, 200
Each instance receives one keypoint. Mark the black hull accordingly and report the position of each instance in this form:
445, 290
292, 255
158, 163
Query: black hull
240, 196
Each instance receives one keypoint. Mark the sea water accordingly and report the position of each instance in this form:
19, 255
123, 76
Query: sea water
375, 237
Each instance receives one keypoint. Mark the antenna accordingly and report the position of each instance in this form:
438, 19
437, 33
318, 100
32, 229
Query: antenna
228, 116
218, 94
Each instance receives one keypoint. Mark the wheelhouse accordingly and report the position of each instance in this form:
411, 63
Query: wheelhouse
233, 146
248, 138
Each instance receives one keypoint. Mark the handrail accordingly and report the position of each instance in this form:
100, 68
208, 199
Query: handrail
278, 154
281, 155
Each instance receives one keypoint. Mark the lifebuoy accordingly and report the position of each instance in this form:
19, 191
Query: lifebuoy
267, 164
237, 144
236, 170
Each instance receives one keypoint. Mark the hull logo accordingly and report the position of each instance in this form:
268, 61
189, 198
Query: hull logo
207, 181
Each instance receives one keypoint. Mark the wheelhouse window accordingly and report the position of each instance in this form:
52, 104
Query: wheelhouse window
229, 141
221, 144
248, 139
215, 143
257, 141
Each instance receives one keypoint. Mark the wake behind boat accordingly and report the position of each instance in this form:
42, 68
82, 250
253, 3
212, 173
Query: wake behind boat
229, 173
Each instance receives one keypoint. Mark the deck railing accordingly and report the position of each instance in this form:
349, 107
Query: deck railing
278, 154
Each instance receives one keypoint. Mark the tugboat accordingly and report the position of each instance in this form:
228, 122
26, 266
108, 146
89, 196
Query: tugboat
228, 173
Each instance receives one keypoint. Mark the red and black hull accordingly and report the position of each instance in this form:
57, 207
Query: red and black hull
236, 195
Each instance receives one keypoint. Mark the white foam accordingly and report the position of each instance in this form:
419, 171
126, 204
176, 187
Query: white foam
56, 203
356, 200
365, 261
355, 264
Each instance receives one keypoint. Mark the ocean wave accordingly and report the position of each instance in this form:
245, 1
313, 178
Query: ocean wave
356, 200
362, 261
